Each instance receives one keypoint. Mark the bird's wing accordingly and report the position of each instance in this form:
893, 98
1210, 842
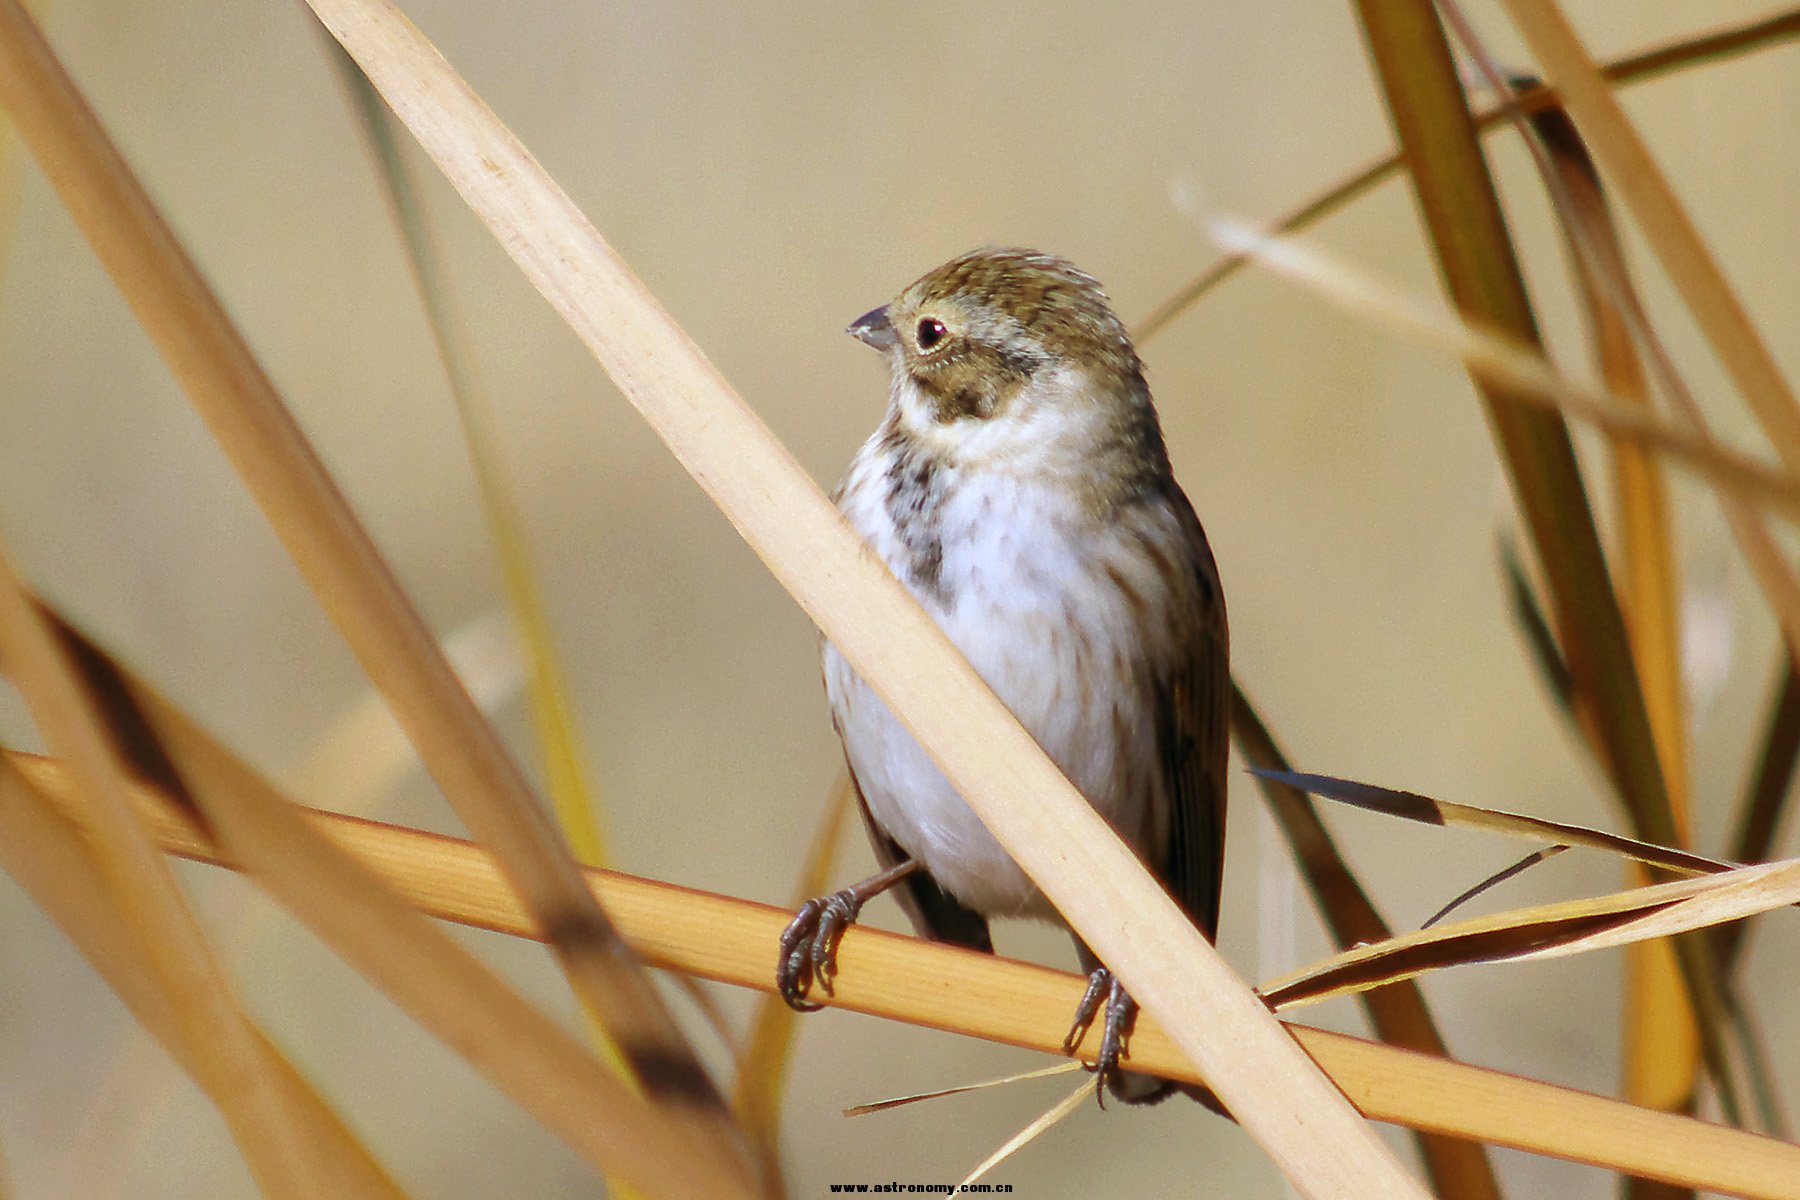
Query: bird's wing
1194, 706
935, 913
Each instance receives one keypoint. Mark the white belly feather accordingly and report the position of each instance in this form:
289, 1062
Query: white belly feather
1026, 592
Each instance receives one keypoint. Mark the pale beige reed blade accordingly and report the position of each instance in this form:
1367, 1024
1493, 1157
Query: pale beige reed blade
1527, 375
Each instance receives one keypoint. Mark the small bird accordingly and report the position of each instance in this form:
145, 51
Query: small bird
1020, 488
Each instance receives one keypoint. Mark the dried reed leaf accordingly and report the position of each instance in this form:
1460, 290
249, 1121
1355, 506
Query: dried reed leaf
334, 553
1493, 881
1412, 806
1759, 816
1020, 1004
1547, 931
235, 1071
1061, 842
876, 1106
1018, 1141
1399, 1014
1523, 371
1722, 44
1540, 639
1667, 226
52, 861
756, 1096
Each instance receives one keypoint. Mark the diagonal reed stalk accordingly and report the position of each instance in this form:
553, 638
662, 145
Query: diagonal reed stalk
942, 987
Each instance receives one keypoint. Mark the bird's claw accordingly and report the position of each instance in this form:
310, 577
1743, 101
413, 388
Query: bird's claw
1115, 1031
809, 947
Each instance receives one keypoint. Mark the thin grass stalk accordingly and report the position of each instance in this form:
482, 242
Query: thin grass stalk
756, 1097
1668, 228
1068, 850
1020, 1004
1457, 1168
236, 1074
334, 553
52, 860
1524, 376
552, 713
1723, 44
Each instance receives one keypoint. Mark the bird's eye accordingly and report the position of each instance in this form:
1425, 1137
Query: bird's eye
931, 332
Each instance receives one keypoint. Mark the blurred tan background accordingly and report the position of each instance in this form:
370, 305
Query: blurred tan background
772, 171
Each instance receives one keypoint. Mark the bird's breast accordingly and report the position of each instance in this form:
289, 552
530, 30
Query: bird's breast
1028, 588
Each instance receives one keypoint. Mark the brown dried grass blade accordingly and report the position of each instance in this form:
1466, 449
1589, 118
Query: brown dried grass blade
1412, 806
1667, 226
1069, 851
1722, 44
1399, 1014
756, 1096
1547, 931
1660, 1045
1540, 639
223, 1042
222, 377
1493, 881
941, 987
1662, 1042
52, 861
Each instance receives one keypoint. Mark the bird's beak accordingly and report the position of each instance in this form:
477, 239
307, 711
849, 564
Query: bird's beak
874, 328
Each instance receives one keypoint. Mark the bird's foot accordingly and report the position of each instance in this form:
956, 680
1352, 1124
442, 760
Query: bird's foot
809, 946
1120, 1015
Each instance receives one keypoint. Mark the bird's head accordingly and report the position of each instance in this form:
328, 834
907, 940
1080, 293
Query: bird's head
1007, 355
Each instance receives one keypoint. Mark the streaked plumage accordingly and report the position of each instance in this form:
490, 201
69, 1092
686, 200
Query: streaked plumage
1020, 488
